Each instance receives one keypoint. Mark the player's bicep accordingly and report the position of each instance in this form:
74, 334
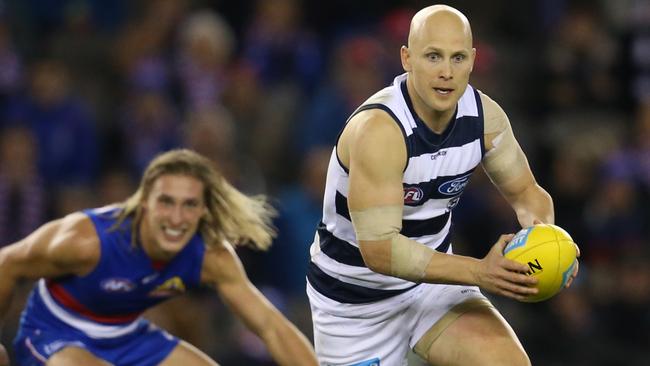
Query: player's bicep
506, 162
65, 246
27, 258
377, 160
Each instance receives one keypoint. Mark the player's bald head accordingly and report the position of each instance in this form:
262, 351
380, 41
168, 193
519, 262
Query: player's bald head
435, 19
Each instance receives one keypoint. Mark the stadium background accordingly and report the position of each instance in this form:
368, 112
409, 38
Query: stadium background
91, 90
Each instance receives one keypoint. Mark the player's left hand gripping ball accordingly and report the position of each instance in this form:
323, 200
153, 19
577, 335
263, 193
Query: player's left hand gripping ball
551, 256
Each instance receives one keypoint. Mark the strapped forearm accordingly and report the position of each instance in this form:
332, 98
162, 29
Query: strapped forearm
408, 259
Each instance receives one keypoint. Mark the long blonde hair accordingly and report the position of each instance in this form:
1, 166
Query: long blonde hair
231, 215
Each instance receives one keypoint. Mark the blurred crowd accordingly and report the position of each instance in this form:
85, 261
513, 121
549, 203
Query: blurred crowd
91, 90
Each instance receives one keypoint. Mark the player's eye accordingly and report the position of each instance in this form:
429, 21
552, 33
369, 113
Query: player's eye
433, 56
166, 200
192, 204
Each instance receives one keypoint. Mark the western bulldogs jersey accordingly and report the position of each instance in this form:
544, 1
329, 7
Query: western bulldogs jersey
437, 171
107, 302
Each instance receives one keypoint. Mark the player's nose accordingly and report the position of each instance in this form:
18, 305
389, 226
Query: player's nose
445, 71
176, 216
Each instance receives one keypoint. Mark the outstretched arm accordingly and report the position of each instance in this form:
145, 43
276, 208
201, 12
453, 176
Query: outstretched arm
66, 246
223, 270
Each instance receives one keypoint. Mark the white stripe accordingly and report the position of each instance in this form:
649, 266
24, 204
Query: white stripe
404, 115
467, 104
92, 329
457, 160
343, 183
344, 231
400, 108
429, 209
337, 179
34, 352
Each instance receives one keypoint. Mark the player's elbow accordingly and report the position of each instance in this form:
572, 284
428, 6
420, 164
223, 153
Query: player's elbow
376, 255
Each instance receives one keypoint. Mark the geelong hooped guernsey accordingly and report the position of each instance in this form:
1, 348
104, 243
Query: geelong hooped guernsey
108, 302
437, 171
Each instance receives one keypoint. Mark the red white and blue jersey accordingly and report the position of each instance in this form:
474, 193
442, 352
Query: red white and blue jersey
438, 168
108, 301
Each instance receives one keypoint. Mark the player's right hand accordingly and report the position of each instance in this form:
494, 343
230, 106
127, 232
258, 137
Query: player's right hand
503, 276
4, 357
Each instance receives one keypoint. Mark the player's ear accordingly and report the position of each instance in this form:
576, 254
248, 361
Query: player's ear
473, 59
405, 56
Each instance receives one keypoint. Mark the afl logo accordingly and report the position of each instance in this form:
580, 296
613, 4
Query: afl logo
117, 285
455, 186
412, 195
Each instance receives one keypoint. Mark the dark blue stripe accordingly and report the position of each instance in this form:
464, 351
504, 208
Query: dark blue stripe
339, 250
466, 131
479, 105
410, 228
341, 205
346, 253
416, 228
345, 292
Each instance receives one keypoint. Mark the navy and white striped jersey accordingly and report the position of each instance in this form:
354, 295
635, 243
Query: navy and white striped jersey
437, 171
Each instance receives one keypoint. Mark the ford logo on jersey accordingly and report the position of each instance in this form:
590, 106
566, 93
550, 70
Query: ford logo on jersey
455, 186
412, 195
117, 285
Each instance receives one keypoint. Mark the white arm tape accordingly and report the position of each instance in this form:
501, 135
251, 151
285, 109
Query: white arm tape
408, 258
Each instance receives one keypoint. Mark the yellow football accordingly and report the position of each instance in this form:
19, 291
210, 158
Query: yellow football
549, 252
